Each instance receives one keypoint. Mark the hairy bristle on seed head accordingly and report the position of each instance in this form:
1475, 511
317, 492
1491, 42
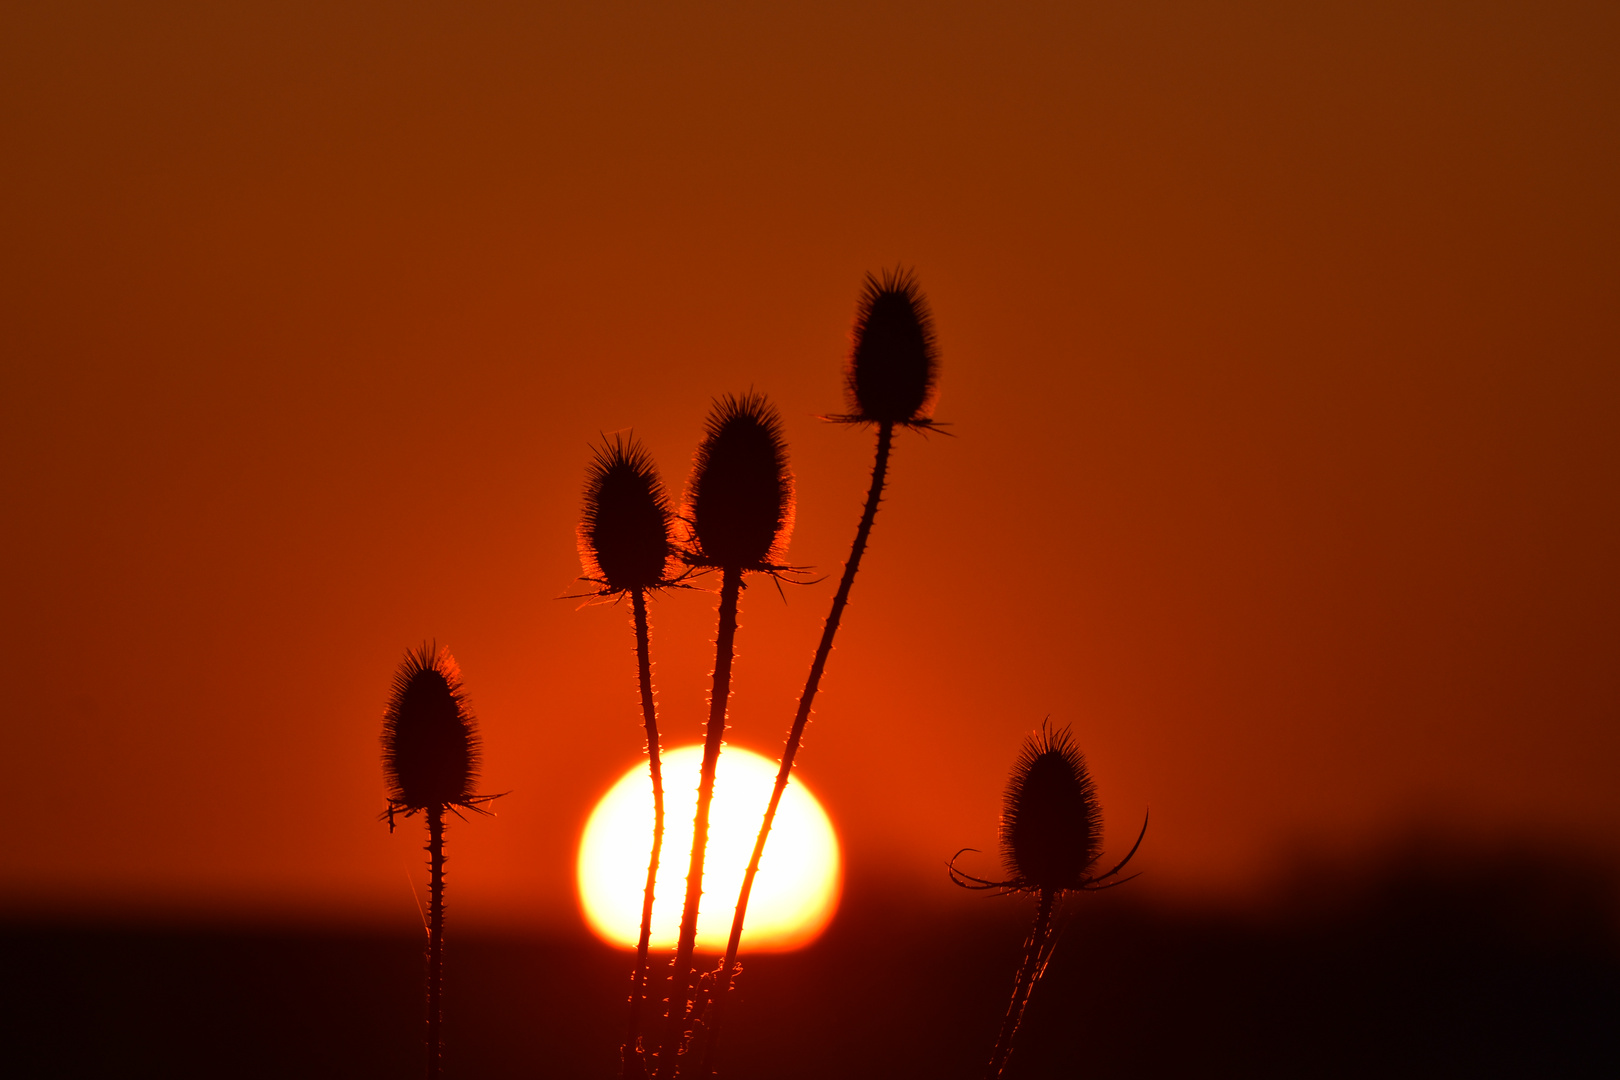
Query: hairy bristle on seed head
893, 364
739, 502
626, 536
1051, 825
430, 739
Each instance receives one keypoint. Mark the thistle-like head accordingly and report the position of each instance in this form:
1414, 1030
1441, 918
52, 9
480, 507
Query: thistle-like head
739, 501
430, 738
893, 363
1051, 825
627, 534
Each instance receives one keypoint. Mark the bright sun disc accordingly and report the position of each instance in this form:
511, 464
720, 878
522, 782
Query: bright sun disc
795, 891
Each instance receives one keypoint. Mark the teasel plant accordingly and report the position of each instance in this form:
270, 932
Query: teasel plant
890, 381
627, 547
431, 758
739, 513
1051, 842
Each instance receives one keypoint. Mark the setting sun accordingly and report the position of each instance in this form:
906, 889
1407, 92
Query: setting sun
794, 895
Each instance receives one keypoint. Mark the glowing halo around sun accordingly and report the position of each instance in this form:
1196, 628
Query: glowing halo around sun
795, 892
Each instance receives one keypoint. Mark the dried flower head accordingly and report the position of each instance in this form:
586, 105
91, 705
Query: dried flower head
739, 502
1051, 823
893, 364
626, 537
430, 739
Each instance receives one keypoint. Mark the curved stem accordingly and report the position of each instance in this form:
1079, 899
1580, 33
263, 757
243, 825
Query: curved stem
681, 984
435, 975
1035, 955
632, 1060
801, 717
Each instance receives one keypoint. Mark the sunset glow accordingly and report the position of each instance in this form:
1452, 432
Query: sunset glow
794, 895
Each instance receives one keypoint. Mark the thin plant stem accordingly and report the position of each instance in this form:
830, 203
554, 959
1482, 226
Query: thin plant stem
649, 715
1035, 956
681, 983
812, 683
435, 974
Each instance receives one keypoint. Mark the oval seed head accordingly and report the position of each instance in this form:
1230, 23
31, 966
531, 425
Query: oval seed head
739, 501
893, 365
1051, 826
430, 739
626, 539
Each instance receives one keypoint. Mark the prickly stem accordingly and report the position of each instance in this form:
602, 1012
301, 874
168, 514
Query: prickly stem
633, 1065
681, 984
801, 718
435, 974
1035, 954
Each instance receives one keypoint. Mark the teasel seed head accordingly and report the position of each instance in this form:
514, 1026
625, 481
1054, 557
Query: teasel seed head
893, 363
627, 535
430, 739
739, 501
1051, 825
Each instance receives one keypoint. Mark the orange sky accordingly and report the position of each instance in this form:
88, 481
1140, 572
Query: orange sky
1279, 344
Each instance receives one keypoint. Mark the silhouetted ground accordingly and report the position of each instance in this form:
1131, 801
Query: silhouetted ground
1429, 965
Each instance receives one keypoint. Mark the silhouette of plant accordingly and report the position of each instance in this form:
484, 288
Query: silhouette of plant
890, 381
1051, 837
431, 756
892, 375
739, 508
627, 545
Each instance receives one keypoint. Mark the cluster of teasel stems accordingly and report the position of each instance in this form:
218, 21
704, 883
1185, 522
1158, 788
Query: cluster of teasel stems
736, 520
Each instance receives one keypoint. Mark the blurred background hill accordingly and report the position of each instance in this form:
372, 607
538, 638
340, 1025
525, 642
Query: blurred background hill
1427, 958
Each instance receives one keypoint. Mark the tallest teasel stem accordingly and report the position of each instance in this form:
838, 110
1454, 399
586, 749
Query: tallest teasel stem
890, 381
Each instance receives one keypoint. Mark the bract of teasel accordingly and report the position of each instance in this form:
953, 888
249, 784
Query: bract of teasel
627, 535
739, 500
431, 748
893, 370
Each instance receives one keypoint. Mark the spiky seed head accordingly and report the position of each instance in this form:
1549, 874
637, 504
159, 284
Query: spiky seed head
739, 501
430, 739
1051, 825
893, 365
626, 538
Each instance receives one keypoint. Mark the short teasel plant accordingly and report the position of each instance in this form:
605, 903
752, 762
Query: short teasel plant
890, 381
1051, 842
739, 512
431, 756
628, 546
